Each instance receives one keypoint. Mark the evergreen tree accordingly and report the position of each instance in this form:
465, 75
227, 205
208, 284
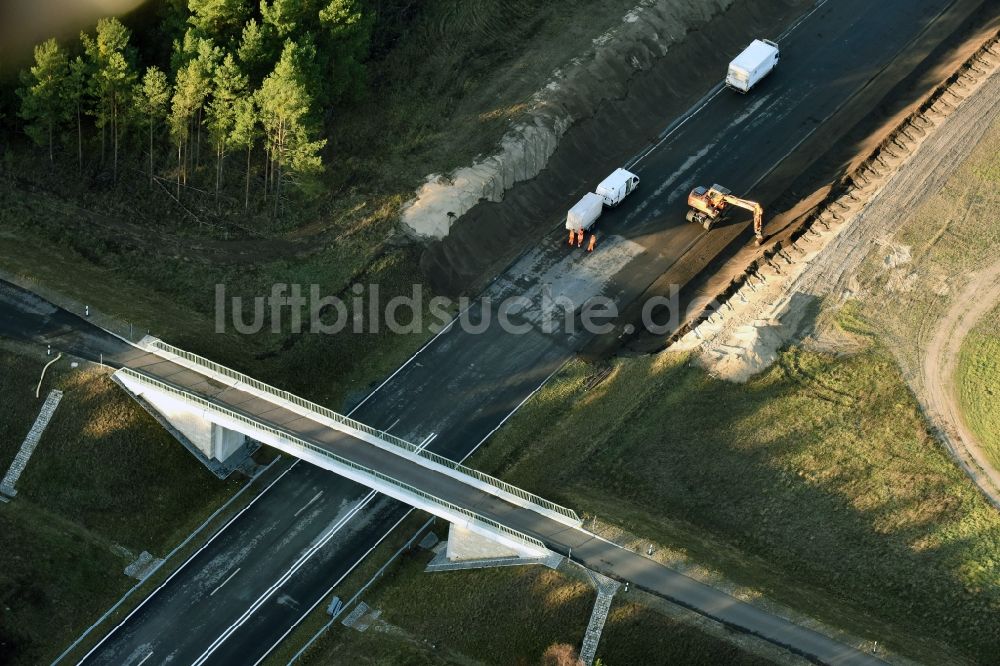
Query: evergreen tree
285, 114
344, 41
118, 79
196, 59
152, 96
253, 51
287, 17
44, 101
230, 86
218, 19
76, 93
339, 31
183, 106
113, 77
246, 131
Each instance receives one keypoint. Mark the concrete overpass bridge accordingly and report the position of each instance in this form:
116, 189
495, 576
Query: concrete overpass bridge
216, 408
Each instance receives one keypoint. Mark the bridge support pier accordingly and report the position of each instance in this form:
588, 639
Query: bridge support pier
219, 448
466, 549
464, 545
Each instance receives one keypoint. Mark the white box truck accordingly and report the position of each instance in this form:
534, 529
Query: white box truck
610, 192
748, 68
585, 212
617, 186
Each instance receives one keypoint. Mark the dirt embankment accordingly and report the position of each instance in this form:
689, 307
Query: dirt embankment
573, 92
613, 103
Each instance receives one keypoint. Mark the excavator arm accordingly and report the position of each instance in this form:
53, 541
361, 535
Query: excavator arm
752, 206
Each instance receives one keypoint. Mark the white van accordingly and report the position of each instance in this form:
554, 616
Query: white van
748, 68
617, 186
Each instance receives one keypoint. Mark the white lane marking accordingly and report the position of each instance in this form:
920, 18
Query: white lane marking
712, 94
144, 659
181, 567
519, 405
790, 29
430, 438
394, 424
306, 505
427, 344
228, 578
335, 584
262, 599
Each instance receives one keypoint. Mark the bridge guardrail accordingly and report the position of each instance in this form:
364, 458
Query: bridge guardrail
195, 400
358, 425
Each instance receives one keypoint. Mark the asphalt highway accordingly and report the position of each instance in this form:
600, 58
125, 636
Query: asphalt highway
462, 386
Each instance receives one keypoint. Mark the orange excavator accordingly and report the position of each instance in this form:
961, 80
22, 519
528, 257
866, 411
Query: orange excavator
708, 206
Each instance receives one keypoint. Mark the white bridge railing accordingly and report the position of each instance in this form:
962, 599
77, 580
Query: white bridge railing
198, 401
212, 366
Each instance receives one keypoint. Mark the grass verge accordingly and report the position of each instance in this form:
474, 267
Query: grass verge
481, 616
816, 483
978, 383
104, 483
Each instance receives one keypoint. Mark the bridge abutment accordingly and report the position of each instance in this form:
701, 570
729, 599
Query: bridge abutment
467, 549
217, 445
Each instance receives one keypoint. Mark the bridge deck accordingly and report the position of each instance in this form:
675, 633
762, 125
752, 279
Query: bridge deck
584, 547
361, 452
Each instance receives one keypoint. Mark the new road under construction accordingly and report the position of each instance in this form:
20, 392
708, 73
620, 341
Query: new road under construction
838, 61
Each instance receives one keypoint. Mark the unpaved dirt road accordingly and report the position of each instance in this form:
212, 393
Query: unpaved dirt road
980, 295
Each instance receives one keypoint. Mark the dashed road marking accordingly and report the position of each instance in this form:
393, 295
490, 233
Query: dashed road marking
228, 578
306, 505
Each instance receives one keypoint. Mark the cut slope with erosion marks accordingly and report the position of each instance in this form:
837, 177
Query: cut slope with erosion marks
646, 32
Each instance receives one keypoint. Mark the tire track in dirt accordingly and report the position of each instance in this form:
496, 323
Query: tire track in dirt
939, 392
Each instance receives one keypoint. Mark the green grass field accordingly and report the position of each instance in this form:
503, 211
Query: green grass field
637, 634
105, 477
816, 483
979, 383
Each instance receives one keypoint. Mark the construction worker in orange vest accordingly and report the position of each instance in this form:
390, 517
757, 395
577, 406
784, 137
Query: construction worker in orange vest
572, 236
592, 243
579, 238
